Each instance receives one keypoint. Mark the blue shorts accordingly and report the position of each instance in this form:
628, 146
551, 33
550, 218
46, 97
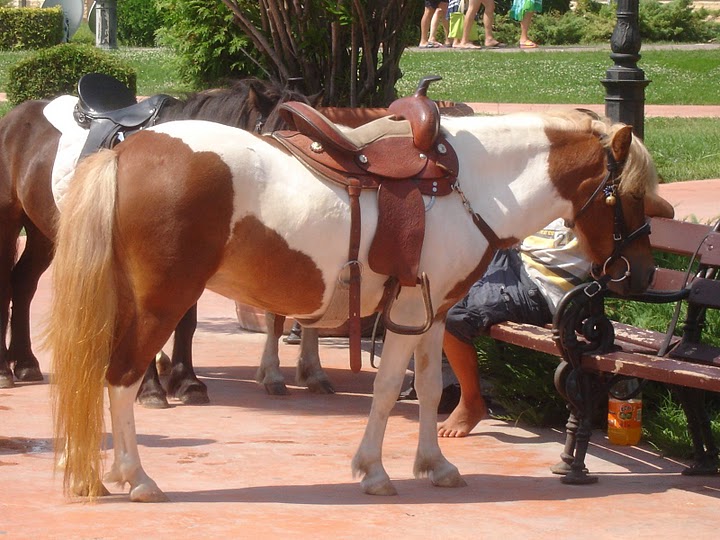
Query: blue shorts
505, 293
433, 4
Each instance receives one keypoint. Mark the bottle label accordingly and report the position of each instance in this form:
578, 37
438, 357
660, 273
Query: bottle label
625, 414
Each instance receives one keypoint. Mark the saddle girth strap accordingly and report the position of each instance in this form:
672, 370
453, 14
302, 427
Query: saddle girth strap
354, 189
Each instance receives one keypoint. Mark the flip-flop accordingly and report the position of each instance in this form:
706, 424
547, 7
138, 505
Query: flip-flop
528, 45
496, 45
468, 47
430, 46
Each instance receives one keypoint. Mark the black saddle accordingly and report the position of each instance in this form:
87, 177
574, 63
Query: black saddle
110, 110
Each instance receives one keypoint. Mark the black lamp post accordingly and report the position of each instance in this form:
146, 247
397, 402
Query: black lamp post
625, 82
106, 24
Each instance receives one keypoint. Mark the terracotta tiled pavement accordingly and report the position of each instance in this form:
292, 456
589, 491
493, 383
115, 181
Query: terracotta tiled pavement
249, 465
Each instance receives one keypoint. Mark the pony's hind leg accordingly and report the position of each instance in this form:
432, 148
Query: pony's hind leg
9, 231
33, 262
183, 383
268, 374
309, 370
428, 385
127, 467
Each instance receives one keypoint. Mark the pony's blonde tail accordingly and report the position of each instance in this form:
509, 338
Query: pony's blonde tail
82, 321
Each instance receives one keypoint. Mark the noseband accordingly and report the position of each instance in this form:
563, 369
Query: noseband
609, 188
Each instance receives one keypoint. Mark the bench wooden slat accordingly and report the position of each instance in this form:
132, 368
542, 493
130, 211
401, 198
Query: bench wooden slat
539, 339
679, 237
536, 338
705, 292
697, 352
666, 279
662, 369
710, 251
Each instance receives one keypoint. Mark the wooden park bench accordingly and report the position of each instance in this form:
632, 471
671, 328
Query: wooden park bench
596, 352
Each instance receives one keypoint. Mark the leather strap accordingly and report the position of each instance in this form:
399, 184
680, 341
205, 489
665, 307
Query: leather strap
354, 332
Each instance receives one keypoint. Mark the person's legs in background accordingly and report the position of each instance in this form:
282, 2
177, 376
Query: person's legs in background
488, 21
465, 42
439, 18
525, 41
425, 23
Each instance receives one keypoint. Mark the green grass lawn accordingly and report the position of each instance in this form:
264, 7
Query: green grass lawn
683, 148
677, 77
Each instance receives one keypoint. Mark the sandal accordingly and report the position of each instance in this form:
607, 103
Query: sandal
528, 45
495, 45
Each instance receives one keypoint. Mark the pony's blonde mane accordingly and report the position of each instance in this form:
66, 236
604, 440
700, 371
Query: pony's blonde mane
639, 175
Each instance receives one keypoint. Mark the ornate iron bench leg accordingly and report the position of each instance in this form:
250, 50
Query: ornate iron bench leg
568, 454
706, 461
582, 394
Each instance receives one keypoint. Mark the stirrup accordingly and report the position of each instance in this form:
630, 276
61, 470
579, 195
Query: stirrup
394, 291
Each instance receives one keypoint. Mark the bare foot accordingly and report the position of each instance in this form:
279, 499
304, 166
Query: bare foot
466, 45
463, 419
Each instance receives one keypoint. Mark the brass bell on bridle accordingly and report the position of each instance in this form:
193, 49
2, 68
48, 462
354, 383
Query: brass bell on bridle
610, 200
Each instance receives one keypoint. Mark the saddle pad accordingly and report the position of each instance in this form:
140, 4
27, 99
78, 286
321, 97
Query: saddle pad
396, 247
59, 112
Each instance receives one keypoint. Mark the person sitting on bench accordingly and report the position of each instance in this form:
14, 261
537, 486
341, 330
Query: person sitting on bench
523, 285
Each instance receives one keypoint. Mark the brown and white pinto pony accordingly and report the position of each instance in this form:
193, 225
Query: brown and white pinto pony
189, 205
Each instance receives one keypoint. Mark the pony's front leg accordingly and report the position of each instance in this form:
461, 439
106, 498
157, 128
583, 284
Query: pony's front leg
386, 388
127, 466
309, 371
428, 385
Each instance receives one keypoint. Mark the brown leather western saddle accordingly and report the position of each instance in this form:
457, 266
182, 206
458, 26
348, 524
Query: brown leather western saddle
402, 156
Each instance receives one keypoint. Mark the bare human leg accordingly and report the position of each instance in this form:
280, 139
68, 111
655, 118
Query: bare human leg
471, 408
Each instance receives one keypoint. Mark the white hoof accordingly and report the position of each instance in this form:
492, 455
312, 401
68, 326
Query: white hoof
447, 477
378, 487
147, 493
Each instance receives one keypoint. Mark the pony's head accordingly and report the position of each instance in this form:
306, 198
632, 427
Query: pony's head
248, 103
611, 205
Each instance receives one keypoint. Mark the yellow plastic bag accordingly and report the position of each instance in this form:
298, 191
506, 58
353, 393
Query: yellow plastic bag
456, 27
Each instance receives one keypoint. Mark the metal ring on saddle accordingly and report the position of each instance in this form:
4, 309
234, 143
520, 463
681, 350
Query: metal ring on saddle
347, 265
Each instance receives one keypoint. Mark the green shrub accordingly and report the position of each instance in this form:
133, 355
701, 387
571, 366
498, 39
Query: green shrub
30, 28
83, 35
209, 46
138, 20
55, 71
674, 21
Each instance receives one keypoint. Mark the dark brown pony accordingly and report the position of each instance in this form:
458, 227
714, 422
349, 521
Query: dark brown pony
28, 144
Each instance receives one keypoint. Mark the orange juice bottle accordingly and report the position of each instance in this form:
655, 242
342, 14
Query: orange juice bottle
625, 420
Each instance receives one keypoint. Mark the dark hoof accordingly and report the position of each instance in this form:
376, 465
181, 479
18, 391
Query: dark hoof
153, 401
560, 468
189, 392
194, 396
277, 389
6, 381
28, 374
321, 387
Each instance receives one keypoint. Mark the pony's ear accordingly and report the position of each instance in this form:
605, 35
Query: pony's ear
316, 99
656, 206
620, 143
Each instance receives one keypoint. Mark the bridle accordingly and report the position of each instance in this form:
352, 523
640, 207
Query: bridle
609, 188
